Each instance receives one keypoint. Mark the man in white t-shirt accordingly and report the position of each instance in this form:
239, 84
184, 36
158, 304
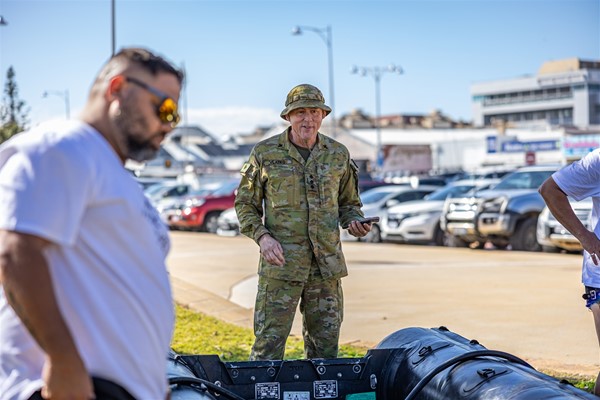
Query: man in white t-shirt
85, 299
579, 180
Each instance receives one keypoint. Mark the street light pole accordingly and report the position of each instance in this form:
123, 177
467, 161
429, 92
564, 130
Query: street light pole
65, 95
112, 18
326, 35
376, 73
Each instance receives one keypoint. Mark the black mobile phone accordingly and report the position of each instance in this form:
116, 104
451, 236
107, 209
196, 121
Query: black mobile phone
368, 220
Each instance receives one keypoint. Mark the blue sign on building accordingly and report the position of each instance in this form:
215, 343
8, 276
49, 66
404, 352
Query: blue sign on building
515, 146
492, 144
540, 145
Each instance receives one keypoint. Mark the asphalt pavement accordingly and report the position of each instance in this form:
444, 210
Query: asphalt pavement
526, 304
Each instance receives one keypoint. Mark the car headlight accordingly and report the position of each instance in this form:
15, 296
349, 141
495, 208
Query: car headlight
399, 217
496, 205
195, 202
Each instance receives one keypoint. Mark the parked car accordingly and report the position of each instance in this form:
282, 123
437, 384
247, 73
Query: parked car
164, 189
376, 201
413, 181
228, 223
364, 185
419, 221
505, 215
553, 236
165, 205
201, 213
485, 173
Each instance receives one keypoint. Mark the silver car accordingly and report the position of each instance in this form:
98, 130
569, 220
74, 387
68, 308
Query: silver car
164, 194
419, 221
553, 237
376, 201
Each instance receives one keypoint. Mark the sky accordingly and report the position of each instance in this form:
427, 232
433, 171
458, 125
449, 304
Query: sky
241, 58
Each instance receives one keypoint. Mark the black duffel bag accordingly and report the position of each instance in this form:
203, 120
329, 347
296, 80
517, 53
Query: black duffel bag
436, 364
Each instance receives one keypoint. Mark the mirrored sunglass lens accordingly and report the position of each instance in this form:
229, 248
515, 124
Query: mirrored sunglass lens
168, 111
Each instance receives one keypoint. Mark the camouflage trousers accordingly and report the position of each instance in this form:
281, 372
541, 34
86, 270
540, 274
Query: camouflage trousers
322, 308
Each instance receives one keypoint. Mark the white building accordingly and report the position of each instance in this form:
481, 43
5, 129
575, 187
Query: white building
564, 92
421, 150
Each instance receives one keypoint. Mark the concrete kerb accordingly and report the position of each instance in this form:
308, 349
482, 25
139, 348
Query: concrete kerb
203, 301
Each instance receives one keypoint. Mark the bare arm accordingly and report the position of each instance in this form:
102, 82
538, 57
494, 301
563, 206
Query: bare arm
25, 277
559, 205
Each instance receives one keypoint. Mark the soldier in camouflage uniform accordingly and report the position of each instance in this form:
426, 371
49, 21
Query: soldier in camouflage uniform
296, 189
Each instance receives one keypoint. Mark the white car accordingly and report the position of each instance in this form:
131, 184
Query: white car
419, 221
164, 189
553, 236
376, 201
228, 223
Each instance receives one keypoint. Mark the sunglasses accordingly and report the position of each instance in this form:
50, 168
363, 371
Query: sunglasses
166, 110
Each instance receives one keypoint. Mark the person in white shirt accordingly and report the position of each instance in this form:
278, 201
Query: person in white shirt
580, 180
85, 298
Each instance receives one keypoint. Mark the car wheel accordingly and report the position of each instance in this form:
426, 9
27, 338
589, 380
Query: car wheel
211, 222
374, 236
525, 236
440, 238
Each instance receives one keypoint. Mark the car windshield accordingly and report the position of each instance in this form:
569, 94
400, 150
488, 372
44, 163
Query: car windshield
373, 196
157, 188
205, 191
449, 191
482, 175
524, 180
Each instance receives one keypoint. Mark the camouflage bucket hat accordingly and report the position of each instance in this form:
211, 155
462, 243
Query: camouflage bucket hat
304, 96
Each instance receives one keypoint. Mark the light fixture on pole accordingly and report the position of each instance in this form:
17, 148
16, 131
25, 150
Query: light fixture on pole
65, 95
3, 21
325, 34
376, 73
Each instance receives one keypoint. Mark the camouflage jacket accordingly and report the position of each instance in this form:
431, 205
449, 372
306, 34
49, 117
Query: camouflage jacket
302, 202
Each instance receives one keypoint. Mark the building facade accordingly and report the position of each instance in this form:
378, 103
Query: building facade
418, 151
564, 92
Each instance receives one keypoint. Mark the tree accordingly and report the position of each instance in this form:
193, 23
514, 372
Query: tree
13, 113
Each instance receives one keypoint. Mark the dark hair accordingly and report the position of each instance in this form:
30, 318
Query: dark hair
151, 62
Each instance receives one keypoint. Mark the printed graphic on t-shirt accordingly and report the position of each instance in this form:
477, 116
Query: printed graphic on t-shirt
160, 230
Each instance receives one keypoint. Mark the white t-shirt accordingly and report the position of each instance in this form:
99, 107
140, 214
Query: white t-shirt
579, 180
63, 182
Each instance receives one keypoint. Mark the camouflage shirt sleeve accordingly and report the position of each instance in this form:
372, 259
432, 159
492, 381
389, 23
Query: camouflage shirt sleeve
249, 200
349, 200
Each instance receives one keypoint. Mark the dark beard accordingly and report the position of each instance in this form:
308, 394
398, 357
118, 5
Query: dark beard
136, 149
140, 150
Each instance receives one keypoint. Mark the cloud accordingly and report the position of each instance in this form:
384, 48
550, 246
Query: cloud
229, 121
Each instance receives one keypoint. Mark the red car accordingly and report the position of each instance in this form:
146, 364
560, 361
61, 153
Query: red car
201, 213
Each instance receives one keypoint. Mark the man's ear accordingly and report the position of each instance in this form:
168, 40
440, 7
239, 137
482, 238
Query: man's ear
115, 85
